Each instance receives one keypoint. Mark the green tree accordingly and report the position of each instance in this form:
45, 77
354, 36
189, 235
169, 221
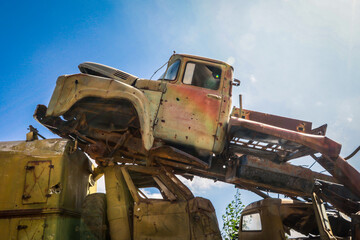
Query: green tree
231, 218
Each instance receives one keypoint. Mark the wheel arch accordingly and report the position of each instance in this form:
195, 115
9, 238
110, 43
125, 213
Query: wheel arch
70, 89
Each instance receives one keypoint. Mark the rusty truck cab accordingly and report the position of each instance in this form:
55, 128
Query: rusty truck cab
271, 218
262, 220
135, 211
195, 107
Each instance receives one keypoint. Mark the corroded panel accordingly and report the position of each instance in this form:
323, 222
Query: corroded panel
36, 182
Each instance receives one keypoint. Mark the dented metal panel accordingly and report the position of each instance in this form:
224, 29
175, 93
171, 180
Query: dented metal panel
185, 123
30, 229
286, 142
41, 226
178, 215
188, 116
42, 174
71, 89
283, 178
278, 121
37, 177
43, 184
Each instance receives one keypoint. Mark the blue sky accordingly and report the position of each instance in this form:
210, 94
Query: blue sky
299, 59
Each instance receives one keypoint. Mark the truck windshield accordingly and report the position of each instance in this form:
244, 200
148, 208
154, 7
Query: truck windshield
172, 71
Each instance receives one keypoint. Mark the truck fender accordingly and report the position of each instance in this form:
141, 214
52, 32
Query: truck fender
71, 88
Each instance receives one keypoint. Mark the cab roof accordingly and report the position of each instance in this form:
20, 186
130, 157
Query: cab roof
273, 202
202, 58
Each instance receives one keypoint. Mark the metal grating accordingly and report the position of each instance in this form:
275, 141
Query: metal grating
121, 75
260, 146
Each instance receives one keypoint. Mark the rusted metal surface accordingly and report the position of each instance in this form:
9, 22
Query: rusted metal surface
275, 217
284, 178
342, 171
100, 119
338, 195
355, 225
287, 141
37, 178
278, 216
178, 215
109, 95
190, 115
21, 213
167, 152
322, 219
347, 174
278, 121
40, 174
183, 122
42, 184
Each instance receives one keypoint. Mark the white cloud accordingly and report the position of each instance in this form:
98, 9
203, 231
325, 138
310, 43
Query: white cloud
230, 61
349, 119
201, 185
247, 42
149, 194
253, 79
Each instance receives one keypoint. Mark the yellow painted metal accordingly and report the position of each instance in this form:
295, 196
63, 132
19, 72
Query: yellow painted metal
222, 128
271, 222
161, 220
46, 227
187, 114
322, 219
70, 89
132, 216
37, 178
203, 219
42, 174
119, 204
43, 184
29, 229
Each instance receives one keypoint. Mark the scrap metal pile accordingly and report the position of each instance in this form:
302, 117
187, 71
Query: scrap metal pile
185, 121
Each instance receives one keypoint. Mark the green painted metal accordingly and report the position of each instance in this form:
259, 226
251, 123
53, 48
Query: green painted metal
43, 184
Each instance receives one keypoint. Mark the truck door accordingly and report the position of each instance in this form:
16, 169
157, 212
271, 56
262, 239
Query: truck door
189, 110
162, 214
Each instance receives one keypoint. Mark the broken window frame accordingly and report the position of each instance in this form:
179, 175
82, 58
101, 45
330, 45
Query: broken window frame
163, 182
207, 65
163, 76
250, 230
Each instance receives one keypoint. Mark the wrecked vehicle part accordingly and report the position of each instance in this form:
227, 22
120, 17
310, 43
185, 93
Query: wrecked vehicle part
284, 178
284, 143
338, 195
341, 170
278, 140
75, 88
183, 121
174, 213
72, 89
101, 70
275, 217
112, 140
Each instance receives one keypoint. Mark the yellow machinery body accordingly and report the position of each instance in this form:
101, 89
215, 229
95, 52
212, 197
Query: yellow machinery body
42, 185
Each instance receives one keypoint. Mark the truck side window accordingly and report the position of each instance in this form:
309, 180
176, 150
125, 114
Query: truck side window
251, 222
172, 71
201, 75
150, 193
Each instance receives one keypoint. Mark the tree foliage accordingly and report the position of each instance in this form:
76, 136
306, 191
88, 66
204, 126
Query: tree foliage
231, 218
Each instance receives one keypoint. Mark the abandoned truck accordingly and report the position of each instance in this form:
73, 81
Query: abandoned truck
184, 120
48, 193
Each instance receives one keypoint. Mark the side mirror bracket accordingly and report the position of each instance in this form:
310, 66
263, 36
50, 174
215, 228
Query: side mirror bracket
236, 82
